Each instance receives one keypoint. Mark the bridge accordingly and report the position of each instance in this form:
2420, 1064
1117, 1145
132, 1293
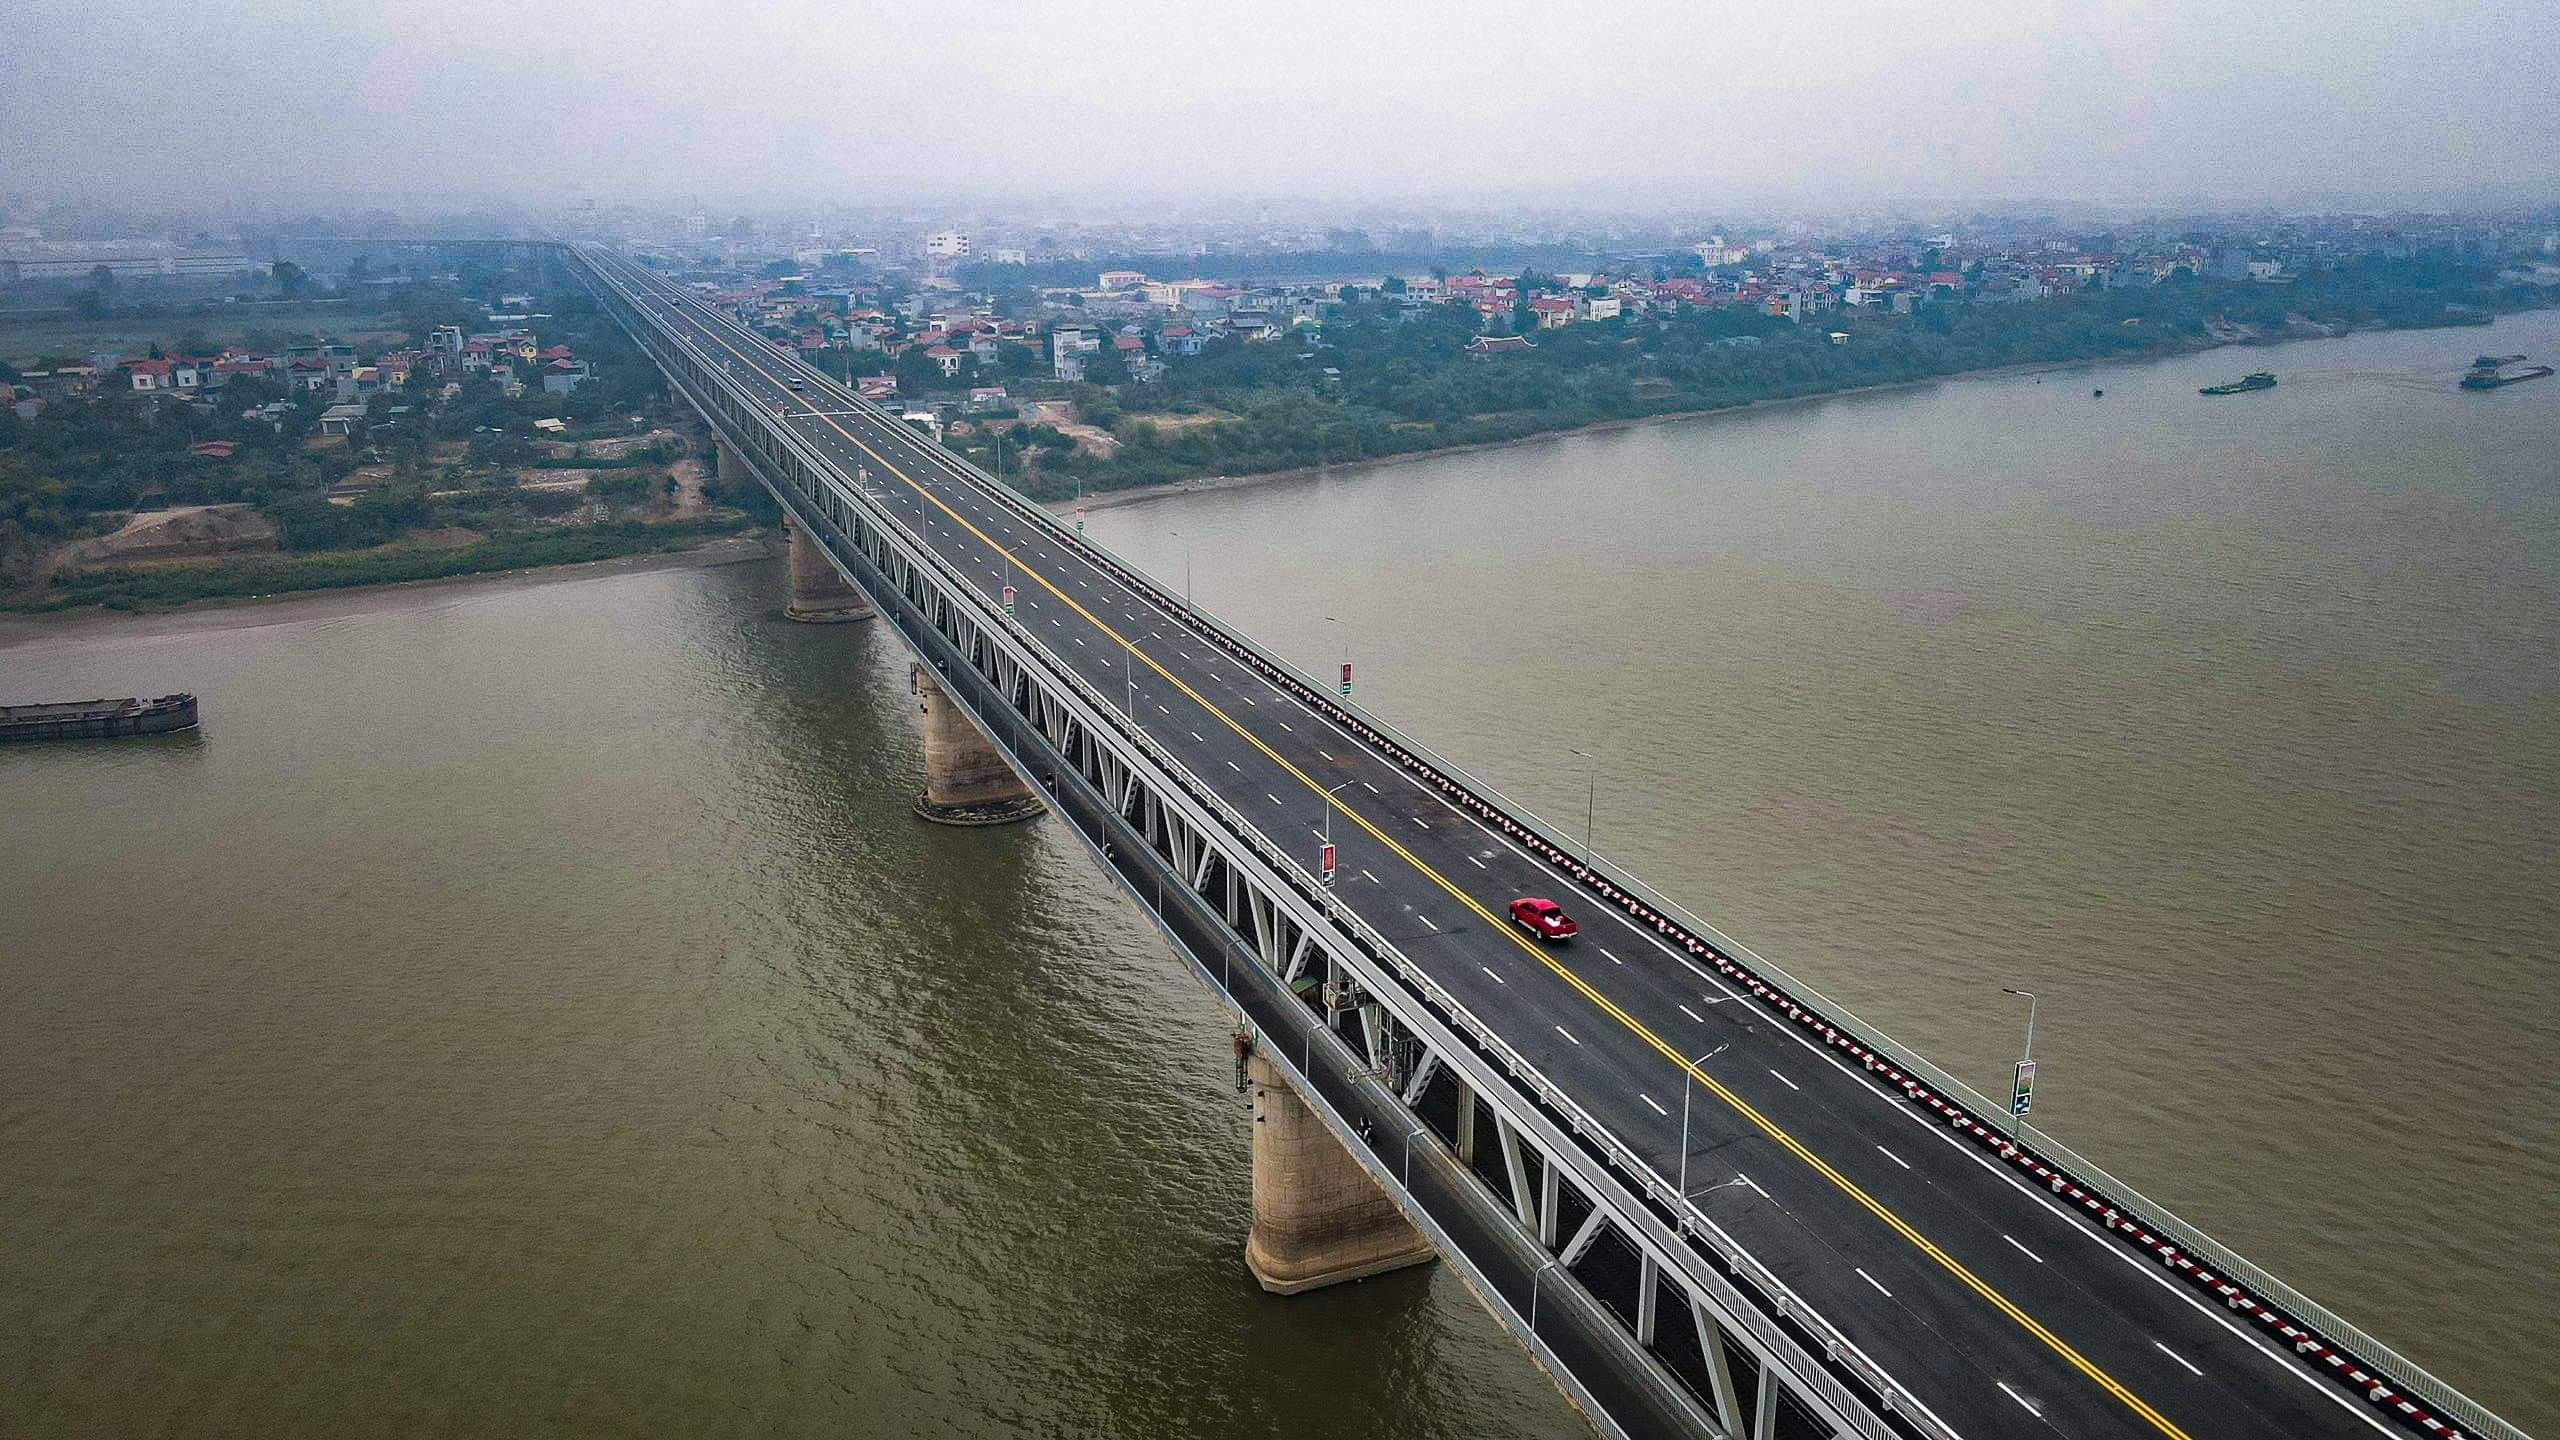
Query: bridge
1706, 1198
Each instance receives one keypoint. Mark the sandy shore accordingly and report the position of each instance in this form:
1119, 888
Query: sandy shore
207, 615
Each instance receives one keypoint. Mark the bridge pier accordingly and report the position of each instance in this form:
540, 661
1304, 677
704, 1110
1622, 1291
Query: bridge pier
819, 595
1318, 1219
967, 781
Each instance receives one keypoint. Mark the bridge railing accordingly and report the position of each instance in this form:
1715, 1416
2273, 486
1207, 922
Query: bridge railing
1833, 1346
2118, 1195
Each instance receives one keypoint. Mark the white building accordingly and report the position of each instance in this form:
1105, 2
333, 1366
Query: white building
946, 245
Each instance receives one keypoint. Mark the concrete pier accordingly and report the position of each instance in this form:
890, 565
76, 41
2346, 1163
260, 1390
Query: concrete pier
967, 781
819, 594
1318, 1219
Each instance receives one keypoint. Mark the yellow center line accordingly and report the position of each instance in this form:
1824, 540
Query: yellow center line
1901, 1227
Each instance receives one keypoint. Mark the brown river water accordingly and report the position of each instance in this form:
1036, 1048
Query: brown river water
528, 1007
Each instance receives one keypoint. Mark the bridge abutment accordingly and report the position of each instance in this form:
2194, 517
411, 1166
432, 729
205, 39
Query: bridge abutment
967, 781
1318, 1219
819, 595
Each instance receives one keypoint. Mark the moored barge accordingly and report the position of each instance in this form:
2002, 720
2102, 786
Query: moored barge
97, 719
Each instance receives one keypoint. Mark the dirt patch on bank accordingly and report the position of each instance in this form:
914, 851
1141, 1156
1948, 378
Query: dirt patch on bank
185, 532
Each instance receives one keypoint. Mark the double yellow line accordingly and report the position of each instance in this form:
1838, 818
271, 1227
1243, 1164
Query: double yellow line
1901, 1227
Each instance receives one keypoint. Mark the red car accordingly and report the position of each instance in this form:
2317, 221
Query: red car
1542, 918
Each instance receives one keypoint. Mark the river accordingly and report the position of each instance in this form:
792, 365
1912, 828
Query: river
530, 1008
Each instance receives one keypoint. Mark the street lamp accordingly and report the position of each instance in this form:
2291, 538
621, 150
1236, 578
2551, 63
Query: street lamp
1186, 563
1590, 804
2024, 1078
1688, 1073
1346, 652
1328, 821
1533, 1294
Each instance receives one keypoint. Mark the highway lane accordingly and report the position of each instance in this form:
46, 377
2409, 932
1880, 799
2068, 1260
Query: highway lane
2074, 1333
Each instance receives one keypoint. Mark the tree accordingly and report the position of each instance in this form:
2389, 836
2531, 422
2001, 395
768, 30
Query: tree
102, 279
289, 277
1105, 367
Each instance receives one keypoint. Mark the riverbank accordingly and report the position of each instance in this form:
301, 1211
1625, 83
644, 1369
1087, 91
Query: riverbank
141, 587
1115, 499
226, 612
1143, 495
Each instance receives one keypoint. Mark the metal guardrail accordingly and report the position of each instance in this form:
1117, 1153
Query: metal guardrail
2412, 1377
1837, 1348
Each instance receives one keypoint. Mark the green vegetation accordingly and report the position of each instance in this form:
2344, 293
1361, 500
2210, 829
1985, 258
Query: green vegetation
128, 587
1372, 383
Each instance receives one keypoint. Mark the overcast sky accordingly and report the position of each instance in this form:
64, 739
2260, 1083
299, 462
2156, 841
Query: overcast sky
1832, 102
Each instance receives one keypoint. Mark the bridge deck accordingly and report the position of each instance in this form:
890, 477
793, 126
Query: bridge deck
2005, 1312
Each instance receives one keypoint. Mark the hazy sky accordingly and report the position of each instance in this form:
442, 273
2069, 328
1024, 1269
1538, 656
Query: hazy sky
1824, 101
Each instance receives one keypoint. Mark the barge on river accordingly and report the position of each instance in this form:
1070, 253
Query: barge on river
97, 719
2490, 372
2254, 380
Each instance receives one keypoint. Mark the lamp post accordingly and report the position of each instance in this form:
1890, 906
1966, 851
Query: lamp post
1688, 1074
1186, 563
1590, 804
1328, 823
1346, 652
2023, 1079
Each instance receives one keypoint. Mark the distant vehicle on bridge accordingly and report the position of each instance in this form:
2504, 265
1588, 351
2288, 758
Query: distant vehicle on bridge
1544, 918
